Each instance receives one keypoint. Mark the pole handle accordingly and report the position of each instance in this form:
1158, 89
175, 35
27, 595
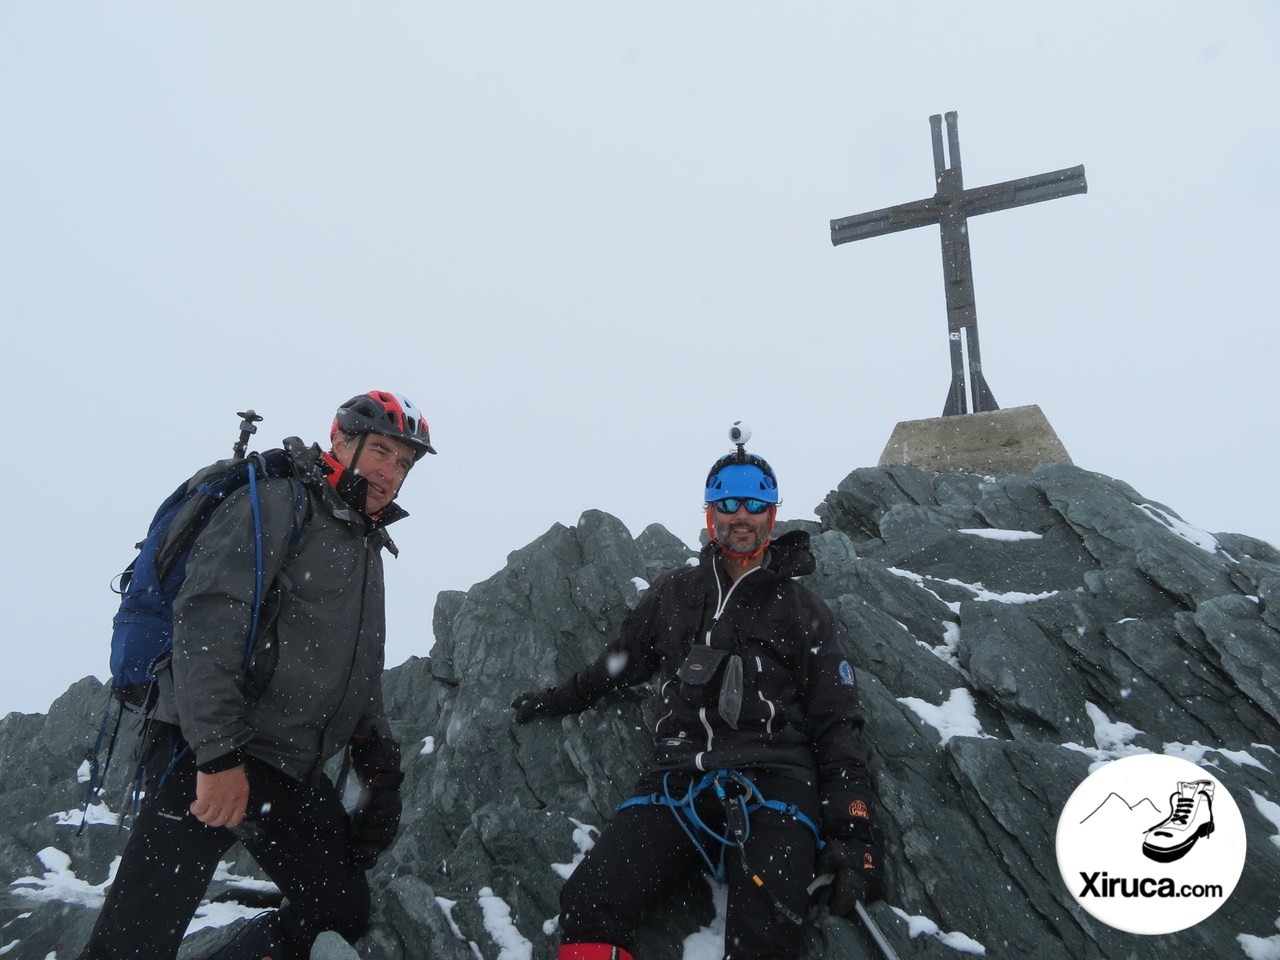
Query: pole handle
874, 930
247, 420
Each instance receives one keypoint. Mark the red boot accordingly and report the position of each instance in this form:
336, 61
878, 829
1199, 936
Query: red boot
592, 951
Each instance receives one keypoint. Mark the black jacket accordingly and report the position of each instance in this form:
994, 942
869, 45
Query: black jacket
799, 712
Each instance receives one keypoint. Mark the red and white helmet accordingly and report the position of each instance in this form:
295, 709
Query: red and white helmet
389, 414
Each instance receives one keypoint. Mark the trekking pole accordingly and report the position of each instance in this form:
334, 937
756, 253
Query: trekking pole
247, 428
874, 929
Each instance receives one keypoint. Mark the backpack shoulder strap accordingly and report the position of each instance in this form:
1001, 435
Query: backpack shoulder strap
304, 466
190, 506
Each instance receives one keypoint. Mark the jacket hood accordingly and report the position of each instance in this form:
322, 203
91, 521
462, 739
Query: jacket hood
790, 555
787, 556
315, 469
351, 488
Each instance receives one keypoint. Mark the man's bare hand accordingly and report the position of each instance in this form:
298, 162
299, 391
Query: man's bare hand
221, 798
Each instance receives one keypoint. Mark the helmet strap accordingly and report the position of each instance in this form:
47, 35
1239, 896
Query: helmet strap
741, 558
355, 457
351, 487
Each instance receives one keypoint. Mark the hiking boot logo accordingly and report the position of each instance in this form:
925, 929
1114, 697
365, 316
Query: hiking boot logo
1190, 818
1125, 855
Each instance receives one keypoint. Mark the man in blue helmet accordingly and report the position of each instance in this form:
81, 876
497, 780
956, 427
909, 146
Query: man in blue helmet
759, 750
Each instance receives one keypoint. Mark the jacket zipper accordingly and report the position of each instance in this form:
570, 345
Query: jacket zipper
722, 601
773, 711
666, 716
351, 667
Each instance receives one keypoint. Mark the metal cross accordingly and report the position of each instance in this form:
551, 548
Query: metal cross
950, 208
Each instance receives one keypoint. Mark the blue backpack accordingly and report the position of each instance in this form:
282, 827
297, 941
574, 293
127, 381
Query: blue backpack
142, 629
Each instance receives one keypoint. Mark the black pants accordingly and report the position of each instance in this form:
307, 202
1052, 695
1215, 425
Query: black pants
644, 849
298, 833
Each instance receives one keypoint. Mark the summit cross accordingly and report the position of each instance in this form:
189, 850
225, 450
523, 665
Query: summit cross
950, 207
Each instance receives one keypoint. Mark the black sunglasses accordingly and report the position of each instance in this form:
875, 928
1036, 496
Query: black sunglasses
730, 505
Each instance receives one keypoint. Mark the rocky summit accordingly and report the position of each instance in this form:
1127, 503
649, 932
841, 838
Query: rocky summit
1010, 633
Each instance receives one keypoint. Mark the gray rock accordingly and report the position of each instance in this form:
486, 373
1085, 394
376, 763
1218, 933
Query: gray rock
1108, 607
331, 946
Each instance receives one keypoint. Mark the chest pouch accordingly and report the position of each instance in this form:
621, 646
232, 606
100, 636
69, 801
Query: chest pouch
712, 676
699, 675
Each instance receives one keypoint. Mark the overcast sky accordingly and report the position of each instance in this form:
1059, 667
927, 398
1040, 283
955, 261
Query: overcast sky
585, 237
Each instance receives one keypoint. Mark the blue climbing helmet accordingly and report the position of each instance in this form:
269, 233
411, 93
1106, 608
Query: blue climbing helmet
741, 474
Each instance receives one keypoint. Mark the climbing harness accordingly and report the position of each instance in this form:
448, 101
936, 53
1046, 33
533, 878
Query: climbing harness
738, 806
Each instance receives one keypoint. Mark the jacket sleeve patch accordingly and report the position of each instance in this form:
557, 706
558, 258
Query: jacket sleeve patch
846, 674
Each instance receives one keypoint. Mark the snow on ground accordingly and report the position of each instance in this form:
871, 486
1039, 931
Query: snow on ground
497, 921
228, 911
219, 915
446, 907
992, 533
1193, 535
98, 813
641, 584
919, 582
60, 882
584, 838
428, 747
1271, 811
946, 650
980, 592
1110, 735
957, 717
223, 872
923, 926
12, 945
708, 943
1196, 752
1111, 739
1260, 948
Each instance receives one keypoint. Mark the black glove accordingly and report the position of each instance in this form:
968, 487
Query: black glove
855, 865
375, 758
374, 824
551, 702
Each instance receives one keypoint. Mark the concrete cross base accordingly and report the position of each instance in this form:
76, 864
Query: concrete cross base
1013, 440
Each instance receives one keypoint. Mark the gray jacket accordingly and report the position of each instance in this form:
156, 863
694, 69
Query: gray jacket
316, 673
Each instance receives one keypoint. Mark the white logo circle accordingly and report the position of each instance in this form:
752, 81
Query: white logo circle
1150, 844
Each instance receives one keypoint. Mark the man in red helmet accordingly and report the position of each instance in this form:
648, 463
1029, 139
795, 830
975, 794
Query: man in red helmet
238, 754
760, 768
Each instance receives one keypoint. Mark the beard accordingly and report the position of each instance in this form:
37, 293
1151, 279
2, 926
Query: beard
729, 535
